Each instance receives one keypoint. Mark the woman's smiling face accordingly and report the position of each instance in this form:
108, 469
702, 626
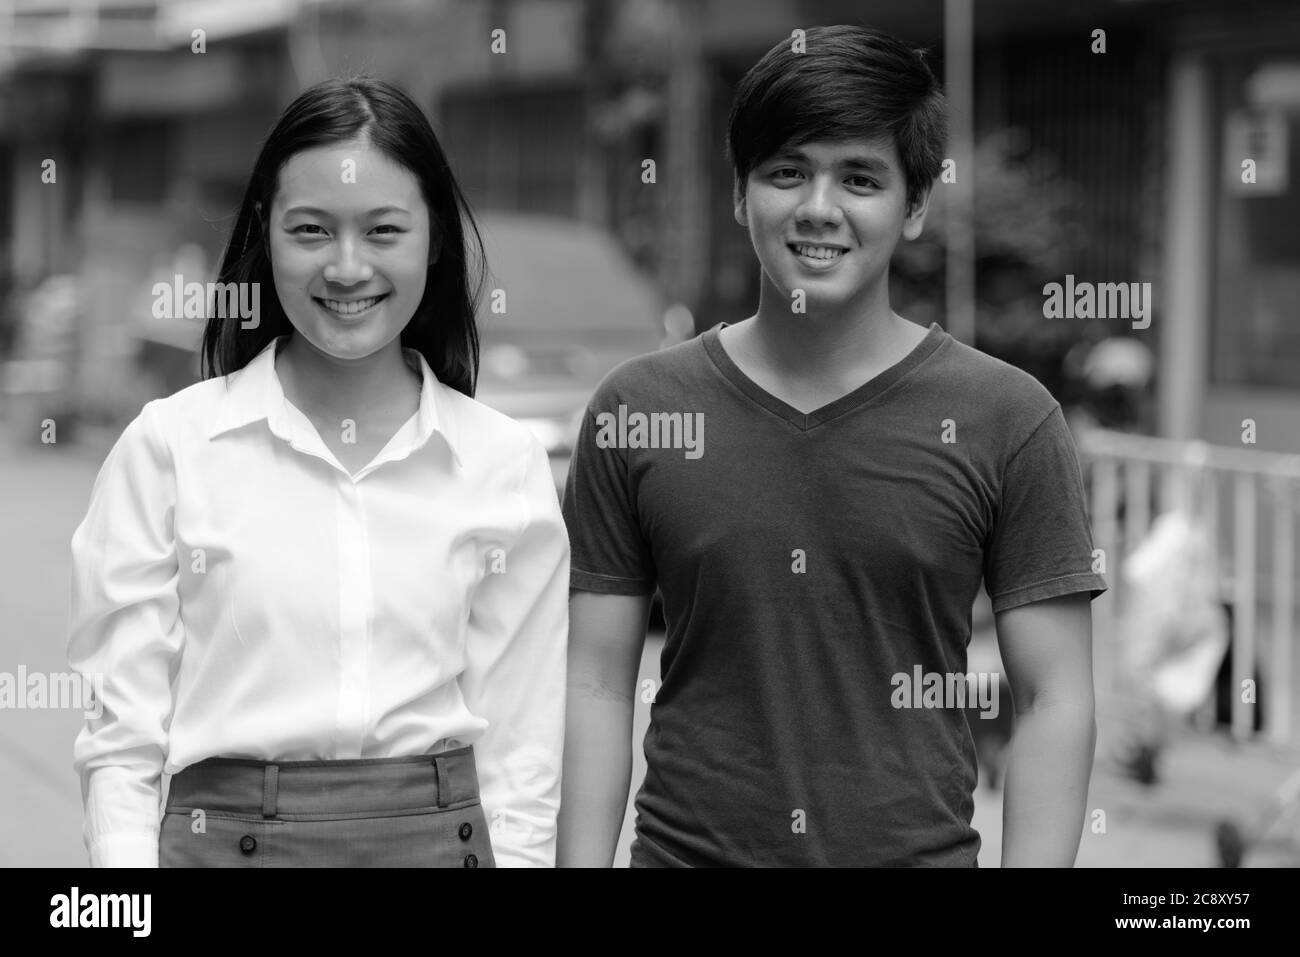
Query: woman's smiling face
349, 241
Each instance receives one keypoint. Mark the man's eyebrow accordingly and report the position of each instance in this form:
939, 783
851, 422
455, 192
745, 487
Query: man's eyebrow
790, 152
868, 161
315, 211
872, 164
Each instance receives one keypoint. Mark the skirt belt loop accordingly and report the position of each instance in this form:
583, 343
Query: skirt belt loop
270, 789
444, 781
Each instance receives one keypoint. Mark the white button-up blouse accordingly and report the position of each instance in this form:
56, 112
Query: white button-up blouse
240, 594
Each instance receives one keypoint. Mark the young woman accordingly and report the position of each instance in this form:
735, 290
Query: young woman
326, 590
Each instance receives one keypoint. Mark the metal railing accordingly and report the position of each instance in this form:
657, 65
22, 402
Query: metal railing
1132, 478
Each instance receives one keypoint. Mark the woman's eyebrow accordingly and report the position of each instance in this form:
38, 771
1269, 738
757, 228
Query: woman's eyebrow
316, 211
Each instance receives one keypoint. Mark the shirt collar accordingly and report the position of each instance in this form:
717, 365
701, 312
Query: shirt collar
254, 393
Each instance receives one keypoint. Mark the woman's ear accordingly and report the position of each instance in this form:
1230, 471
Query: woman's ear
435, 245
262, 226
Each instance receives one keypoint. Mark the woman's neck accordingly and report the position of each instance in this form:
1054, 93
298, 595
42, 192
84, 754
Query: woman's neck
326, 387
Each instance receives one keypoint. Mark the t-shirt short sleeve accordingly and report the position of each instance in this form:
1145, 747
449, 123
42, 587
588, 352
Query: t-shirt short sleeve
609, 552
1041, 545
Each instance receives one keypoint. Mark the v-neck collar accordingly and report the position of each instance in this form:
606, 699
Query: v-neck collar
864, 393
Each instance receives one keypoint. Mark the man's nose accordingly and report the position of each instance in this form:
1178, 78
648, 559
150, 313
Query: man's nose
819, 206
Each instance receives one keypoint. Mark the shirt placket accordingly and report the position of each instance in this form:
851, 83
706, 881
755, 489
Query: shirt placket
355, 602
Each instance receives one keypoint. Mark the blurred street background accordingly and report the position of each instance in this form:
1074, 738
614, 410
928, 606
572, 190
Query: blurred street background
1096, 142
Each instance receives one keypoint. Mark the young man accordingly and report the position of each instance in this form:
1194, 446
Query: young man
817, 492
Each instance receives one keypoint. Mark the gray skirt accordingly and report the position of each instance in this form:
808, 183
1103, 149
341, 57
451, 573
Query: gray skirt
374, 812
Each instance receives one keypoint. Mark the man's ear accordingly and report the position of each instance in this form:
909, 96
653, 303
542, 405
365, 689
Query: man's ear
916, 214
738, 201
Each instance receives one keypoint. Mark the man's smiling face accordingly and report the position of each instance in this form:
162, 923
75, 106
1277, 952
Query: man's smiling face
825, 217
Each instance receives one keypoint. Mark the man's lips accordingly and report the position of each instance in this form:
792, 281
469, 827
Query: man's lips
817, 253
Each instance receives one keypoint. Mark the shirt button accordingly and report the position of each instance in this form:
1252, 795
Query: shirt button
248, 844
466, 830
471, 861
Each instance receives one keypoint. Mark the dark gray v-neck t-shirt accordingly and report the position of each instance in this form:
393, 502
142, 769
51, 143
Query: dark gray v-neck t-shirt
816, 571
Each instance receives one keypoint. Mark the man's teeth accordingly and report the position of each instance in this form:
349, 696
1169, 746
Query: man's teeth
819, 252
348, 308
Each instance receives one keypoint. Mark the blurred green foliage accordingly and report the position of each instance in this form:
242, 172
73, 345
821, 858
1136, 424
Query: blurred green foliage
1027, 232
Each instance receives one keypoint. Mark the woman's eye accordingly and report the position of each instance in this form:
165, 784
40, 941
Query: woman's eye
315, 230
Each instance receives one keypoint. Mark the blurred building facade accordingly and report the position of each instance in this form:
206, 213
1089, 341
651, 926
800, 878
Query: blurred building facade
1115, 141
153, 142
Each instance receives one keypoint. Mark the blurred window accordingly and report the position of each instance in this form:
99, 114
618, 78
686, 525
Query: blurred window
136, 160
516, 148
1257, 297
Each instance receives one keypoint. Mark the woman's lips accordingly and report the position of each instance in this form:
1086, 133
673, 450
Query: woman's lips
349, 308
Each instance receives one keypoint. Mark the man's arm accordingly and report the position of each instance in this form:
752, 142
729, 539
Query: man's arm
606, 635
1047, 653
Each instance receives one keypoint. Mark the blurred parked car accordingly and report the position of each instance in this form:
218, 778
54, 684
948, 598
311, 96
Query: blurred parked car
36, 381
561, 307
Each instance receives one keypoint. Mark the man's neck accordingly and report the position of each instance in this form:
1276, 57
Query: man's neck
822, 343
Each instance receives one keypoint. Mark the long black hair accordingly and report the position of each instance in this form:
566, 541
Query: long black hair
443, 329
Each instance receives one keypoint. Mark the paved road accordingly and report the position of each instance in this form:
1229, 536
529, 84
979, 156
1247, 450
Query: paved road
43, 494
44, 491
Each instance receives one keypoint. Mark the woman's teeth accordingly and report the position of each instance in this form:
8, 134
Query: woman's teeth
351, 307
819, 252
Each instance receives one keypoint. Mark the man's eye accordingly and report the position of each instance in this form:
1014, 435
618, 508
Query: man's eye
785, 172
864, 182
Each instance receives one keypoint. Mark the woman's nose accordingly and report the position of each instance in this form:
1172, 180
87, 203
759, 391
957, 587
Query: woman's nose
348, 267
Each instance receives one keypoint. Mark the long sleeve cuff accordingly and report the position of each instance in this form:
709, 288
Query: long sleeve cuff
124, 849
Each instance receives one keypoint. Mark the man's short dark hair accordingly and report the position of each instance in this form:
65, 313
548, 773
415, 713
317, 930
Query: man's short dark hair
849, 82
